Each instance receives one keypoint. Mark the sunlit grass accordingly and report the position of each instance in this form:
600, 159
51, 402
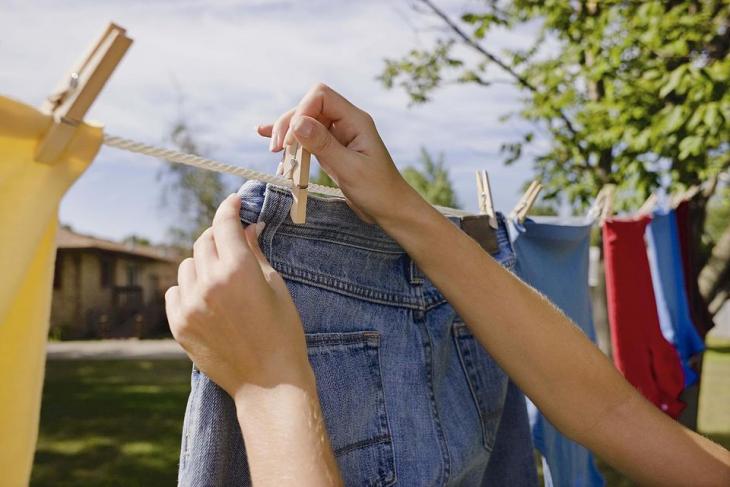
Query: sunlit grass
111, 423
714, 413
118, 423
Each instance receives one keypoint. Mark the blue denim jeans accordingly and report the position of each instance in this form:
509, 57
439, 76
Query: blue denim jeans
408, 395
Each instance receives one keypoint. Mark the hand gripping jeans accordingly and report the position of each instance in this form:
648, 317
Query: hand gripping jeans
408, 395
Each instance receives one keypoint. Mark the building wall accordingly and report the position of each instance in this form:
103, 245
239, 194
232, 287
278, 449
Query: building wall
82, 304
67, 293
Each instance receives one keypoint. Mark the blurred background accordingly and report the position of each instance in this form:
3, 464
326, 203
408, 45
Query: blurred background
576, 93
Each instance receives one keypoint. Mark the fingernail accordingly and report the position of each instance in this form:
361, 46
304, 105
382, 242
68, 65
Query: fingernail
271, 144
259, 228
303, 127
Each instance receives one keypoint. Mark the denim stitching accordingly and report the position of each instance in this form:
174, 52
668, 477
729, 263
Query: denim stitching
468, 363
463, 352
385, 423
428, 354
359, 445
187, 427
432, 299
276, 208
387, 244
385, 461
312, 232
368, 338
414, 274
368, 342
336, 285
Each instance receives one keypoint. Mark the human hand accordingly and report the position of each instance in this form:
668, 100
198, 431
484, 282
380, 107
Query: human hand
232, 312
347, 144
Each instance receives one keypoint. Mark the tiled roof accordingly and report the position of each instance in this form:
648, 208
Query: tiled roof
67, 239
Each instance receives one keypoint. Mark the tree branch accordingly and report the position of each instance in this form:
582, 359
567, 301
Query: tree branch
713, 274
521, 80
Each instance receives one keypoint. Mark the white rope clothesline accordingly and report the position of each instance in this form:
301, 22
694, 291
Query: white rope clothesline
221, 167
209, 164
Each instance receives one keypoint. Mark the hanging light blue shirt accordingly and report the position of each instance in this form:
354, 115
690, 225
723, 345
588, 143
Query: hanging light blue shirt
553, 258
667, 273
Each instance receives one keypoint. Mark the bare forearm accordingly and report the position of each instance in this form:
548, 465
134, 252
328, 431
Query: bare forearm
534, 342
285, 436
653, 449
568, 378
548, 357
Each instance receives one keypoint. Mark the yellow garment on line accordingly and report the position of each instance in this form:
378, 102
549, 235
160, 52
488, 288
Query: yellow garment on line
29, 196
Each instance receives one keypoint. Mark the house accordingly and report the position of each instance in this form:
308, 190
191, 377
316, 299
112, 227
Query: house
104, 289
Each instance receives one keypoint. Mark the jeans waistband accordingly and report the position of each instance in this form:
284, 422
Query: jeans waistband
338, 251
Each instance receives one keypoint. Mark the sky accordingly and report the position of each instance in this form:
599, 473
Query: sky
238, 64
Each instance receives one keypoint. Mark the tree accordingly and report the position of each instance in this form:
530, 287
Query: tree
134, 239
714, 280
433, 182
195, 192
628, 93
324, 179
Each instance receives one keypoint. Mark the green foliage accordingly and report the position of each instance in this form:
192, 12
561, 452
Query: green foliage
628, 91
324, 179
195, 193
433, 181
136, 240
543, 210
423, 70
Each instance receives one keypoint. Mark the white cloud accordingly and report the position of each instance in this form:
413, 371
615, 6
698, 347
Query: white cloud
238, 64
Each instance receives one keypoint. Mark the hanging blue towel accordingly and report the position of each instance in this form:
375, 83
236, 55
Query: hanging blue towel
553, 258
665, 259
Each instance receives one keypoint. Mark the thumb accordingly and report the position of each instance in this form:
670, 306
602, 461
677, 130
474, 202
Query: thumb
318, 140
252, 233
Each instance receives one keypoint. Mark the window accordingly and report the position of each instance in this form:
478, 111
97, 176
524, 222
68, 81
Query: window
132, 274
106, 265
57, 272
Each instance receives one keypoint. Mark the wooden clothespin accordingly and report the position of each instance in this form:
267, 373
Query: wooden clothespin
295, 166
486, 203
607, 194
525, 203
596, 209
648, 205
69, 104
687, 194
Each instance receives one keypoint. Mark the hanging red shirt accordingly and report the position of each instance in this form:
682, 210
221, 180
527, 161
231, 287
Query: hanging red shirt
640, 351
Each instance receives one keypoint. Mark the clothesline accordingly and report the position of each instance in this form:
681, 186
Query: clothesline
205, 163
222, 167
209, 164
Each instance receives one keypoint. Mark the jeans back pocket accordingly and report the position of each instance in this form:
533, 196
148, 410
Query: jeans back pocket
487, 382
350, 388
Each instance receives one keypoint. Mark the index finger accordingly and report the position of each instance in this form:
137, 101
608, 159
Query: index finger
230, 241
326, 105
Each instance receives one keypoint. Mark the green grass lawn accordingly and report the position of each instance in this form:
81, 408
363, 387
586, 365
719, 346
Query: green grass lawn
111, 423
714, 408
118, 423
